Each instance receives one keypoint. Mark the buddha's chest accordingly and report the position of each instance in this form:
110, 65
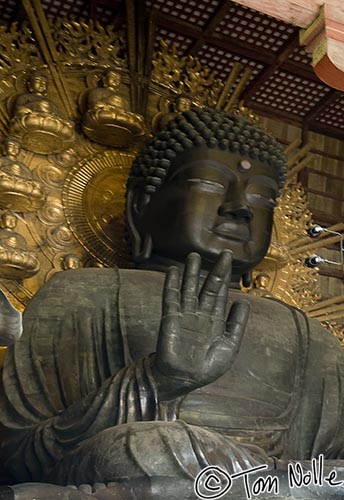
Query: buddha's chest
260, 389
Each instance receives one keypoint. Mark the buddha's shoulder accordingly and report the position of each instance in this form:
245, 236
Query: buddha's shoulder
142, 278
99, 282
72, 278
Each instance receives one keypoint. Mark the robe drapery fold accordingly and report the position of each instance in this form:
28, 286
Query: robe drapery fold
77, 388
67, 380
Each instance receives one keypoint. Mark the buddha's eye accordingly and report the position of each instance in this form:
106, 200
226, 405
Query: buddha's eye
258, 199
261, 195
208, 185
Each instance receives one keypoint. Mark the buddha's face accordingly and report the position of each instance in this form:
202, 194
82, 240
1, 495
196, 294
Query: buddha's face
214, 201
112, 79
12, 148
38, 84
262, 280
71, 262
67, 158
183, 104
9, 221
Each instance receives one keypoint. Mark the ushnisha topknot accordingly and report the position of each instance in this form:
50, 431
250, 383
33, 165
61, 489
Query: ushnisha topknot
205, 127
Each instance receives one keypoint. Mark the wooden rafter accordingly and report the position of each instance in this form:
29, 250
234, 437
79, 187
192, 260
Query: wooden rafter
264, 75
276, 114
325, 129
218, 15
230, 45
302, 70
236, 47
318, 108
140, 49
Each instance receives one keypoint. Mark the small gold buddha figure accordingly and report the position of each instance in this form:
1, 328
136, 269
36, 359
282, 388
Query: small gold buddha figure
107, 119
92, 262
66, 159
18, 191
261, 285
16, 261
181, 103
37, 121
71, 261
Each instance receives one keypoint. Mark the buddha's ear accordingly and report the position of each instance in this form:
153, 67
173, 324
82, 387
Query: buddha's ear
246, 279
141, 242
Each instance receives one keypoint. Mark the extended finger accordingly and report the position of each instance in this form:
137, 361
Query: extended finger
189, 297
236, 323
171, 294
217, 277
222, 298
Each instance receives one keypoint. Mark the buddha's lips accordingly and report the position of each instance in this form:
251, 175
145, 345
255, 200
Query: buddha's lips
233, 230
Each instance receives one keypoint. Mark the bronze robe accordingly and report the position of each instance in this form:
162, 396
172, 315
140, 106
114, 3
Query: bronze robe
78, 398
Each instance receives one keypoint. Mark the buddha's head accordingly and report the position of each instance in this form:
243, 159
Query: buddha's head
111, 78
182, 103
38, 83
11, 147
262, 280
8, 221
71, 261
66, 159
206, 183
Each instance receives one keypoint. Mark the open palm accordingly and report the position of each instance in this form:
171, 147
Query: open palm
197, 344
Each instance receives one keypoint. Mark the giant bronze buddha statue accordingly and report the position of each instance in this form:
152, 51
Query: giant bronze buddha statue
148, 376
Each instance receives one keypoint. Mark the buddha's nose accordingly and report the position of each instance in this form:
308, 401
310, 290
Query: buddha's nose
236, 211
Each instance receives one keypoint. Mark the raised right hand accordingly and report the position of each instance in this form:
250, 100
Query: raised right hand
196, 343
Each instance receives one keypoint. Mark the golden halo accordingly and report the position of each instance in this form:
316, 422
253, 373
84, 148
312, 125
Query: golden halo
94, 197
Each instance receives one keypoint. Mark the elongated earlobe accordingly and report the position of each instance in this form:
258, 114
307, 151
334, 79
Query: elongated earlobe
140, 242
145, 251
247, 279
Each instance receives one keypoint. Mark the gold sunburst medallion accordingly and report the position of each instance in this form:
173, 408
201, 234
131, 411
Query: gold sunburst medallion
93, 197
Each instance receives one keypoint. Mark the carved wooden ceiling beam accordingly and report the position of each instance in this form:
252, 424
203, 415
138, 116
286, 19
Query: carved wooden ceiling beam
323, 33
298, 12
260, 55
324, 38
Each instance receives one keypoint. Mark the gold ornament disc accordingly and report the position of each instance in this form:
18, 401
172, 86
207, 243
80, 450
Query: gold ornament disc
94, 198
